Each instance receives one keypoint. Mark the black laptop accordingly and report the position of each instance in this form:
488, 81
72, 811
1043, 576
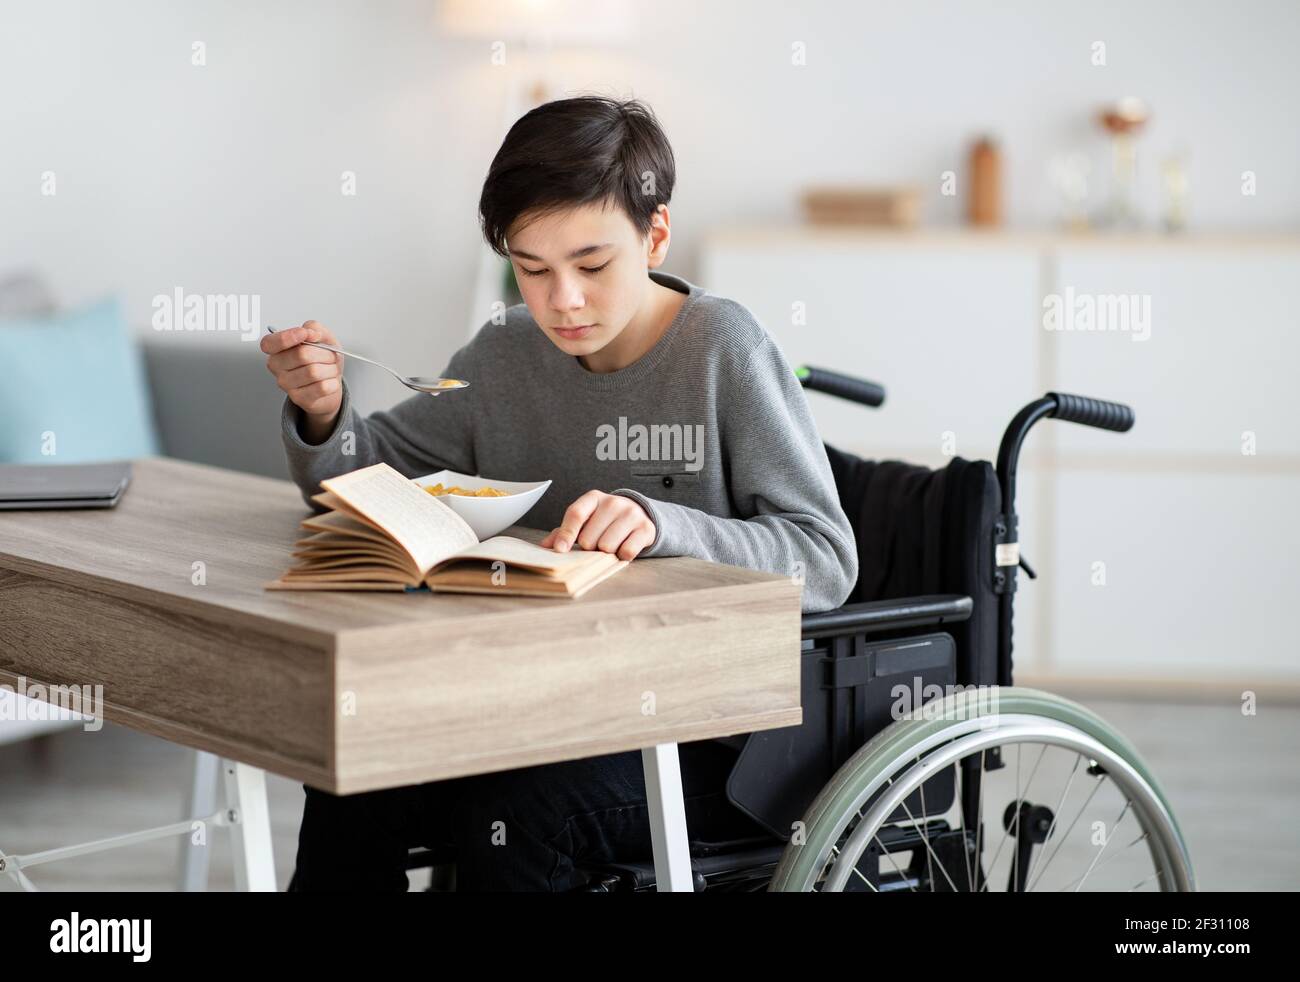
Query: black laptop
63, 485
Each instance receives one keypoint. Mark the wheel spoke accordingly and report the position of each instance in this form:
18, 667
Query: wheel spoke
1145, 882
961, 810
1100, 780
1093, 864
1111, 858
1005, 832
857, 872
929, 864
979, 823
893, 863
1016, 803
925, 840
859, 875
1056, 813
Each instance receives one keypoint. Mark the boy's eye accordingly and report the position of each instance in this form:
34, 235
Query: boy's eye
586, 269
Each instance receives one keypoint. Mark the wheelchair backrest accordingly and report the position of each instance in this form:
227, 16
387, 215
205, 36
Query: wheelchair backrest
922, 531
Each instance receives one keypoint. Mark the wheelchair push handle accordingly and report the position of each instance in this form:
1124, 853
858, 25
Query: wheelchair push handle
837, 384
1092, 412
1056, 405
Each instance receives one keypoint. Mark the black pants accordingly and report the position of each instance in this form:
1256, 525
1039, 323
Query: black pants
511, 830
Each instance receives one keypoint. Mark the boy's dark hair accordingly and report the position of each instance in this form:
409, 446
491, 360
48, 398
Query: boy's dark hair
573, 152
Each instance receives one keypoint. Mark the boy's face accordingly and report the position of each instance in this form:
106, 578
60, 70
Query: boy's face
582, 272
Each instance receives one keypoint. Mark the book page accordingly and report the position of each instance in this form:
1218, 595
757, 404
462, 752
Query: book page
417, 521
323, 585
342, 523
308, 565
517, 552
323, 541
354, 573
524, 583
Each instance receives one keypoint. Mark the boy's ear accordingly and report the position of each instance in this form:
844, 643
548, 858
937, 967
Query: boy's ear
658, 237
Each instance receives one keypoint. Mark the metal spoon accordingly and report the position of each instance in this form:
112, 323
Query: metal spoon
420, 383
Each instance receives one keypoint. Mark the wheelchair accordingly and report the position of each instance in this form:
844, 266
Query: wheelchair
919, 766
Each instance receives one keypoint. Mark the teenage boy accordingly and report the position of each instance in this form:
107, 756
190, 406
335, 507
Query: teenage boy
669, 424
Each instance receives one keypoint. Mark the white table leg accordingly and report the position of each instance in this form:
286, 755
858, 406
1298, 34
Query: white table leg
196, 859
664, 796
250, 826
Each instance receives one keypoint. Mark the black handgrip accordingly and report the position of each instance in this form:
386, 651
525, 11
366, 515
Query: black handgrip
844, 386
1092, 412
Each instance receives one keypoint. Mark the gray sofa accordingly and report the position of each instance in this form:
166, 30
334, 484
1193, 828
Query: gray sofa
215, 404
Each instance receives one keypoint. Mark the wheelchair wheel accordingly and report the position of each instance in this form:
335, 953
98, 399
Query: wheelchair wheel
1081, 810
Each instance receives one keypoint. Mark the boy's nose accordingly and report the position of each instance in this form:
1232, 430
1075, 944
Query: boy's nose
567, 295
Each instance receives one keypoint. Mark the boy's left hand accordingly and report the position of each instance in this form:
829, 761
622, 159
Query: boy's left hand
608, 522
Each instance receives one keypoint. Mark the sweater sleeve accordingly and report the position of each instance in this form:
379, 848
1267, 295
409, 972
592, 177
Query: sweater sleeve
419, 435
781, 486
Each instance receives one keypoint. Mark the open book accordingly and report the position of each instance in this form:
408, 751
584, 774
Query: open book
384, 532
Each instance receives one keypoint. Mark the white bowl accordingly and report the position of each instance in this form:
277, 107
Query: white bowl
486, 516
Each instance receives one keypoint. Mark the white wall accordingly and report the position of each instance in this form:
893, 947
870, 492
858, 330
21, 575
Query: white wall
225, 178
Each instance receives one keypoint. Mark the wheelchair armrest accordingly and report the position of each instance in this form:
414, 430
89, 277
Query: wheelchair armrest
882, 615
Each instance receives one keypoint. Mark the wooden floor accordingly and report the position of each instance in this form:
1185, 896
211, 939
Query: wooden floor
1233, 780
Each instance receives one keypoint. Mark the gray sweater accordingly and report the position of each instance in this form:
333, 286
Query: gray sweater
709, 432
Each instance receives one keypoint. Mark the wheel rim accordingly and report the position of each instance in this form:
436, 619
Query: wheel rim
1011, 731
900, 749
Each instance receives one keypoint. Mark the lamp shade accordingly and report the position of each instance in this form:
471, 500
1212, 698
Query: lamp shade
552, 22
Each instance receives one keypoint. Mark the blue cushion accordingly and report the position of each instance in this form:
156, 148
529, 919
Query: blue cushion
79, 377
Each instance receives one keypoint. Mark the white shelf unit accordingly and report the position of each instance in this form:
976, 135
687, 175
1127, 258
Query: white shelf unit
1201, 542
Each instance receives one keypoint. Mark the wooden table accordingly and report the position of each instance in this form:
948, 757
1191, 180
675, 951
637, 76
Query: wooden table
160, 600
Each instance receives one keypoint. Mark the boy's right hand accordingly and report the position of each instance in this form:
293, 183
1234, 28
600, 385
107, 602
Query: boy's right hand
311, 377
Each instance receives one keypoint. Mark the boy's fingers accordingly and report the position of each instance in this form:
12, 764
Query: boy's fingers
296, 378
283, 340
308, 397
319, 332
634, 543
291, 337
616, 533
297, 357
575, 517
565, 536
609, 510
